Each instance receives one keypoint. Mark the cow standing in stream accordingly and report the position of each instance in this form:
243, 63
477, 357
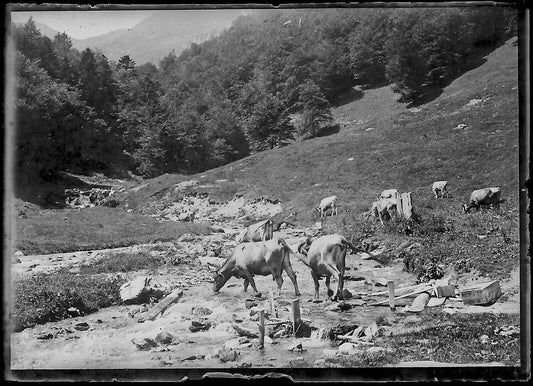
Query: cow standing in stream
257, 258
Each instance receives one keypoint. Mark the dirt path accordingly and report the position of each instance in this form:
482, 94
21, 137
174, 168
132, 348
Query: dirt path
112, 336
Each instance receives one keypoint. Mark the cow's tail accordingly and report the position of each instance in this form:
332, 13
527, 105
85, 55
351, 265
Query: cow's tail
356, 249
289, 249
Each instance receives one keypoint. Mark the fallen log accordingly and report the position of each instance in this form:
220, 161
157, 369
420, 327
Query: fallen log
244, 332
161, 307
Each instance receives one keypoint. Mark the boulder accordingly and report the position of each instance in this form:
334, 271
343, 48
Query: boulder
227, 355
133, 291
164, 337
347, 348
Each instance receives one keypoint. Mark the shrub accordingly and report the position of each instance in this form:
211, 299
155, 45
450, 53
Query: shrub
45, 298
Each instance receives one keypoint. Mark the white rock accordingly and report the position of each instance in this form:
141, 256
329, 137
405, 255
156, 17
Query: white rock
347, 348
133, 289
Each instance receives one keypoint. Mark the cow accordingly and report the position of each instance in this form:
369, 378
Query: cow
328, 202
327, 257
384, 208
257, 258
388, 193
485, 196
260, 231
439, 187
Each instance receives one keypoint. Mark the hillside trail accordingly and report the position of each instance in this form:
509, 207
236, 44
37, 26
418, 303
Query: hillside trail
109, 338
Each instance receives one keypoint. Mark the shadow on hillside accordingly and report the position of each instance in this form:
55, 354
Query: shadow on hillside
472, 62
328, 130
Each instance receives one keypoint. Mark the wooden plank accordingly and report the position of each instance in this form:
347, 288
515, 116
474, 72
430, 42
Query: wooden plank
403, 296
296, 318
398, 291
160, 307
390, 286
261, 329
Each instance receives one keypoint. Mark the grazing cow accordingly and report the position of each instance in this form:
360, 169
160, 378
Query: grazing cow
328, 202
439, 187
260, 258
326, 257
384, 208
388, 193
260, 231
485, 196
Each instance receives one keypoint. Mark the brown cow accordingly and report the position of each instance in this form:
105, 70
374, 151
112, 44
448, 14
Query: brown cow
326, 257
260, 231
257, 258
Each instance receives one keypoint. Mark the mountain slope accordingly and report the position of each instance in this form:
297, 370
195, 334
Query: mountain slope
161, 33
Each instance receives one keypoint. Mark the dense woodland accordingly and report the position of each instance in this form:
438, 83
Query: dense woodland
270, 78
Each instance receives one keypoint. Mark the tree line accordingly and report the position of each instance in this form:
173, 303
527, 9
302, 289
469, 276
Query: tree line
273, 76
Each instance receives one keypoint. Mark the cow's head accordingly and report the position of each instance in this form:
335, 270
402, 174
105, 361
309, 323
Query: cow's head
303, 248
466, 208
219, 281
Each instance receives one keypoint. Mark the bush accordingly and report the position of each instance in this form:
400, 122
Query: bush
46, 298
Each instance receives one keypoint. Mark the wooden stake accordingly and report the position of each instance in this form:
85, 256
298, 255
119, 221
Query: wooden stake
390, 286
261, 328
296, 319
273, 312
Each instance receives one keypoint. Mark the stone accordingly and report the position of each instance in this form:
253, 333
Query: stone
164, 337
135, 291
346, 293
227, 355
201, 311
372, 330
420, 302
144, 344
347, 348
83, 326
199, 326
18, 253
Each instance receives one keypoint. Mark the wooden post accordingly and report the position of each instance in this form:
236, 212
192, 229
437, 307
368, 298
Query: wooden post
390, 286
296, 319
273, 312
399, 207
407, 205
261, 328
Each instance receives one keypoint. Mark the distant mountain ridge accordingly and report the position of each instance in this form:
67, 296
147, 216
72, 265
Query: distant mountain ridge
161, 33
158, 35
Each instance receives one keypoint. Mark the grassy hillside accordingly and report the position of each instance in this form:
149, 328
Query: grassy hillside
407, 149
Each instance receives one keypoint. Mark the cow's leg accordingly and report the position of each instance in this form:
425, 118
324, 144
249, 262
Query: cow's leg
336, 274
279, 281
288, 268
340, 286
249, 277
328, 280
246, 283
317, 285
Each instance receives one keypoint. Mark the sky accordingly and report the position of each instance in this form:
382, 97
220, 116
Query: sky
83, 24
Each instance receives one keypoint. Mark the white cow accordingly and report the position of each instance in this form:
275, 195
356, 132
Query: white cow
328, 202
388, 193
439, 188
485, 196
384, 208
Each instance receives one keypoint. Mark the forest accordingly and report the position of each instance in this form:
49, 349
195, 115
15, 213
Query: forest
272, 78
